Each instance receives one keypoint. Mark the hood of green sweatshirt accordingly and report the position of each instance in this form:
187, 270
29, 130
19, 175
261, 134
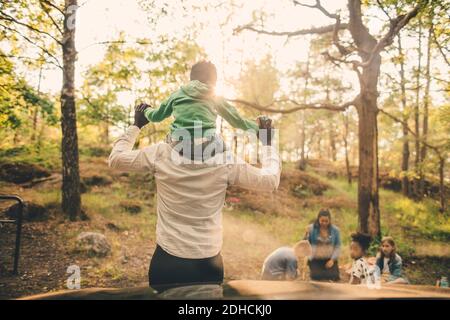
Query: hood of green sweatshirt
197, 89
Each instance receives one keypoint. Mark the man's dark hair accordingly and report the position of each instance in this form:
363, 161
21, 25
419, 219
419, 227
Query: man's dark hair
204, 71
363, 239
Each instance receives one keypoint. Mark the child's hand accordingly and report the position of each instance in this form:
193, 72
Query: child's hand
142, 107
265, 127
264, 122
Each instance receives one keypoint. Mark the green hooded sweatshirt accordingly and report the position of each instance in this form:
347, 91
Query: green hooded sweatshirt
196, 103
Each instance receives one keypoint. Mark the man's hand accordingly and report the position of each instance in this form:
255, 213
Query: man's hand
266, 132
329, 264
139, 118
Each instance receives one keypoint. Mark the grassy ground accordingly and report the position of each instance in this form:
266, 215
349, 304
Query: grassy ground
123, 208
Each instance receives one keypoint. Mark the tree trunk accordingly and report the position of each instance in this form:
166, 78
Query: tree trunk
366, 104
441, 183
426, 102
36, 108
332, 137
235, 143
35, 120
368, 199
302, 140
417, 117
405, 149
303, 114
345, 138
319, 145
71, 199
106, 133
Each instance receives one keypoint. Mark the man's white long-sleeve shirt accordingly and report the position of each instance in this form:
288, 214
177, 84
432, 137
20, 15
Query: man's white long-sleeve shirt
190, 196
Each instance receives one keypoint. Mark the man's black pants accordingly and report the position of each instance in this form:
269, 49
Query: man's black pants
167, 270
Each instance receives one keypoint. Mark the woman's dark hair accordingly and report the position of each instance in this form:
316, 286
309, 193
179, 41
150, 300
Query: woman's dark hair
362, 239
322, 213
204, 71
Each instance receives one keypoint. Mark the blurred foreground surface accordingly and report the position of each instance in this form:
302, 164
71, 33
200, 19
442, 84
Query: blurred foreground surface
255, 289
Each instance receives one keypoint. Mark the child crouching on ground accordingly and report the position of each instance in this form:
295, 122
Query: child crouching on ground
287, 263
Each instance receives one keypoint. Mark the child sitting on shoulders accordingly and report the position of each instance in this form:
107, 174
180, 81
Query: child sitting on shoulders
195, 107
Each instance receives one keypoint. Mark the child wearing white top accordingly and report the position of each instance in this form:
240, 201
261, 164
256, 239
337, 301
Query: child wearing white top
360, 273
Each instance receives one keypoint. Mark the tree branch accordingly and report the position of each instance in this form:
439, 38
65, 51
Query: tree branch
342, 50
395, 26
299, 106
363, 39
413, 133
34, 44
380, 4
53, 6
441, 50
11, 56
334, 60
318, 5
47, 12
7, 17
312, 30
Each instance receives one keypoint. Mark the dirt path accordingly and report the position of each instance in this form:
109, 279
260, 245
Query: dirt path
245, 247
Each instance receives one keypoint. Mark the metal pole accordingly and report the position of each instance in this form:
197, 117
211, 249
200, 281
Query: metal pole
18, 229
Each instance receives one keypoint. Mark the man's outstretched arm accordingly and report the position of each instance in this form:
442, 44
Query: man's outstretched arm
266, 178
123, 157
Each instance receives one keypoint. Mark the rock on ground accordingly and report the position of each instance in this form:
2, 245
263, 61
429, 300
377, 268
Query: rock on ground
93, 243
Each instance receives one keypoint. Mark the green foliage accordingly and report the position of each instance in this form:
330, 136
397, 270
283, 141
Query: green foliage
47, 154
105, 81
421, 218
302, 192
169, 62
95, 151
163, 63
18, 100
259, 81
404, 248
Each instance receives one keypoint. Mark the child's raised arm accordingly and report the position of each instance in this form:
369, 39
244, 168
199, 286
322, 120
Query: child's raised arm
231, 115
164, 111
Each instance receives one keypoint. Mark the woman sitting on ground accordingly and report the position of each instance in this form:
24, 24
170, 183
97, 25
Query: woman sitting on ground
325, 241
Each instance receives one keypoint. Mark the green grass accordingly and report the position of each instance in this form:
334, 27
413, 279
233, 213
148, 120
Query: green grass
47, 155
404, 219
107, 204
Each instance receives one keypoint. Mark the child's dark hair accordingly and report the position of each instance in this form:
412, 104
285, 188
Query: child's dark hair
204, 71
362, 239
